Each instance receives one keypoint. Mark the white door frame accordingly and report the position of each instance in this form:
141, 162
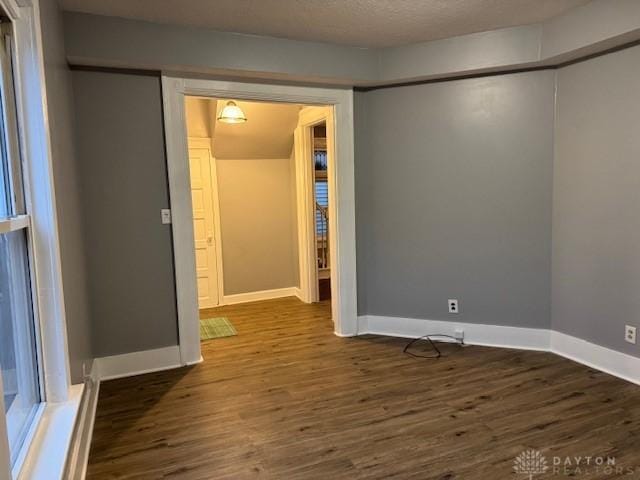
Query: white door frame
307, 239
342, 208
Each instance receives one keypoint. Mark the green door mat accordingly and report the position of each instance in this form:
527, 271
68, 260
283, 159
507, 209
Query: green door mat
216, 328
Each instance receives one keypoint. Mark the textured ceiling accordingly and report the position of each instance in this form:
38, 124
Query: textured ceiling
365, 23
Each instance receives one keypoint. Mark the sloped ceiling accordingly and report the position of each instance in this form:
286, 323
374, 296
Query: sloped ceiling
363, 23
268, 132
201, 116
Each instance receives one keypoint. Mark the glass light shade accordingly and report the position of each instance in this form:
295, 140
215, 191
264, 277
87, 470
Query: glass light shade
232, 113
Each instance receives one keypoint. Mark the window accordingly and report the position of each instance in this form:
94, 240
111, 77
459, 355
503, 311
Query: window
18, 346
320, 160
322, 204
321, 187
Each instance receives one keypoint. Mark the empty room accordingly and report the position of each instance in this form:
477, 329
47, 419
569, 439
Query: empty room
294, 239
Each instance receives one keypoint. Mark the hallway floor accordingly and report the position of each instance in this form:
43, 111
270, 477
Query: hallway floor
286, 399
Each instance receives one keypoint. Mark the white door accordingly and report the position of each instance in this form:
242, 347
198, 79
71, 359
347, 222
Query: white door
203, 223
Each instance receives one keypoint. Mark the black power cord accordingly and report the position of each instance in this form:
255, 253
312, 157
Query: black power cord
438, 354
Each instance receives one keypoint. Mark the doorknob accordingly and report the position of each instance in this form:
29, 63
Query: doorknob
210, 239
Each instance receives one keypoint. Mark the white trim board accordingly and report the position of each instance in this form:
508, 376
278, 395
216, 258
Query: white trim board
137, 363
260, 295
604, 359
615, 363
474, 334
308, 117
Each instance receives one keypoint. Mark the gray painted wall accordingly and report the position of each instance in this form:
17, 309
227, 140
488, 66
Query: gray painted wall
124, 185
454, 184
596, 224
66, 182
595, 26
257, 222
202, 50
504, 48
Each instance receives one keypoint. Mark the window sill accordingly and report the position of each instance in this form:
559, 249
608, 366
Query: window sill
47, 454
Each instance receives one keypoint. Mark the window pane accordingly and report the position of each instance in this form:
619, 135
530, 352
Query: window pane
322, 199
17, 339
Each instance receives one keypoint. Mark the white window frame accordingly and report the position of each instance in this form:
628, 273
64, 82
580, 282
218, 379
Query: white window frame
343, 246
40, 222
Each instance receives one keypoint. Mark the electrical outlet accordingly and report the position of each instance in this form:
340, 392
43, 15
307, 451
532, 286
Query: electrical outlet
453, 305
630, 334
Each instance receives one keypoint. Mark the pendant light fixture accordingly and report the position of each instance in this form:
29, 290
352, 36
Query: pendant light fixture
232, 113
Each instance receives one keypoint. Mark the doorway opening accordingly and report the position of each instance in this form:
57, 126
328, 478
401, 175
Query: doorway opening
337, 105
321, 197
260, 203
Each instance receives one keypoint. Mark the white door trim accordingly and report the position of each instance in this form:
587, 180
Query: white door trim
307, 242
181, 220
343, 248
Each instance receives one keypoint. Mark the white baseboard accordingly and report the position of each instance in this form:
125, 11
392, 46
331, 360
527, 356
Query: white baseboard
261, 295
474, 334
78, 458
604, 359
137, 363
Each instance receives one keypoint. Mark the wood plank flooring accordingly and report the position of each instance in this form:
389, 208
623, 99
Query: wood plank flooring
286, 399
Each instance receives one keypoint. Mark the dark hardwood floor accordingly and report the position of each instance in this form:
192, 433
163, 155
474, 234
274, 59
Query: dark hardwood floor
286, 399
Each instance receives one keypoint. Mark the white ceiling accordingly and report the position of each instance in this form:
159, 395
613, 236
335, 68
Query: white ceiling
365, 23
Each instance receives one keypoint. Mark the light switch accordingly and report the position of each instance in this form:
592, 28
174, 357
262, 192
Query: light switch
165, 213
